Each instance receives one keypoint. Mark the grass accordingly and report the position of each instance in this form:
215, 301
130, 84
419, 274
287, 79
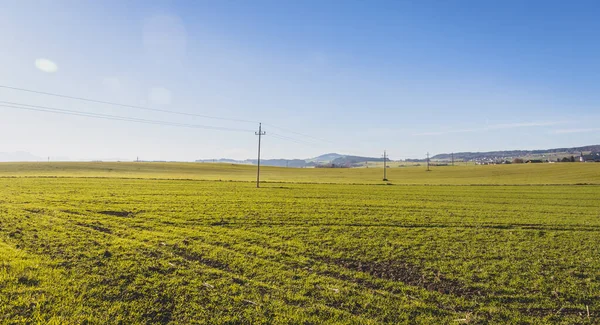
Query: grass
527, 174
141, 243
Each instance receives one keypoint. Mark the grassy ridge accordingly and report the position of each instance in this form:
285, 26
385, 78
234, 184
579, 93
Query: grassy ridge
110, 250
565, 173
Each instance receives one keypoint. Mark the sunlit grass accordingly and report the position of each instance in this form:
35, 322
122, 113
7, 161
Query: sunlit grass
560, 173
138, 247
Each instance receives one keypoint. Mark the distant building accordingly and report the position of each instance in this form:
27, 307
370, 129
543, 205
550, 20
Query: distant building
581, 158
591, 157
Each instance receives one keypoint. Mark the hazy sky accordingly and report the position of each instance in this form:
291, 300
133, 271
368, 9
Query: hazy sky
363, 76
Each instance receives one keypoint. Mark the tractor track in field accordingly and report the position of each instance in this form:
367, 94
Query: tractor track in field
409, 274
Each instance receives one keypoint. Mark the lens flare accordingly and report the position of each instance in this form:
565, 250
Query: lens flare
46, 65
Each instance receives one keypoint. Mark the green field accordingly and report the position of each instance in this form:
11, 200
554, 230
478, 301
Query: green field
144, 243
560, 173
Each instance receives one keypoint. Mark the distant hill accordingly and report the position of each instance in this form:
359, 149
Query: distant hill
352, 160
509, 154
339, 160
326, 159
224, 160
280, 162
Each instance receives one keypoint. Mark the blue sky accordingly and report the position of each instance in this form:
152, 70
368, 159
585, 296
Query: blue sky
358, 76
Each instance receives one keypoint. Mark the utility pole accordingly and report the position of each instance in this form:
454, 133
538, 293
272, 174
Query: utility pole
453, 159
384, 166
287, 163
428, 161
260, 133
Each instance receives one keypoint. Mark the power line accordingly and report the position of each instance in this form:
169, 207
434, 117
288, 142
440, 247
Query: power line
286, 139
138, 120
48, 109
161, 110
61, 111
283, 137
125, 105
297, 133
113, 117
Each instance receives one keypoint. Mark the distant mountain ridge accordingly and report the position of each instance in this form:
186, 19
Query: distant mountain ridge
328, 157
516, 153
334, 159
340, 160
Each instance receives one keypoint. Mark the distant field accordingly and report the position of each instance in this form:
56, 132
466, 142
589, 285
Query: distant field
559, 173
149, 243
